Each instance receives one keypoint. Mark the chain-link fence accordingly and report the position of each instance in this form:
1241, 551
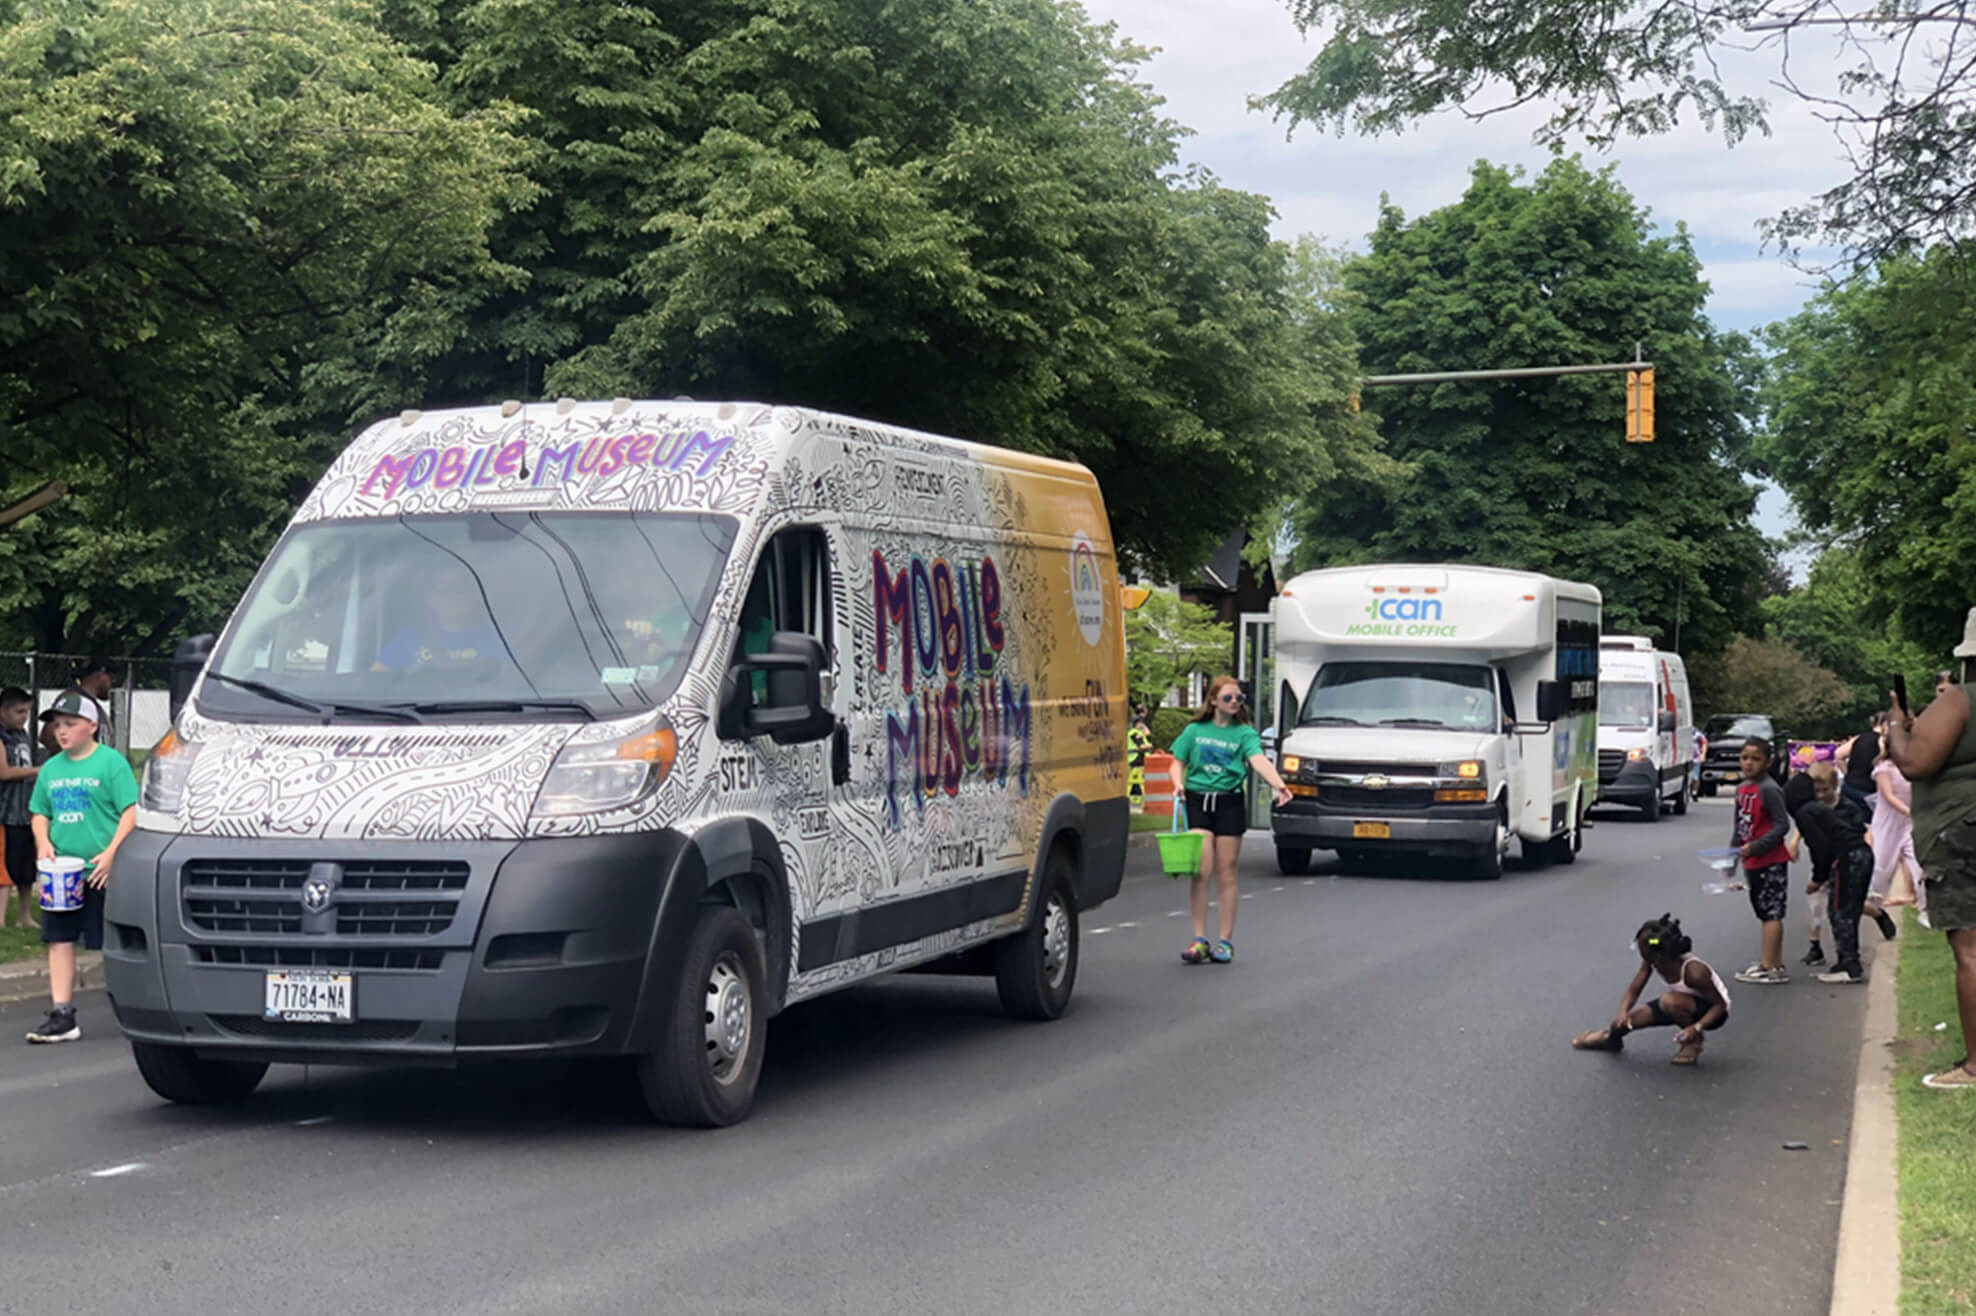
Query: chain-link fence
140, 697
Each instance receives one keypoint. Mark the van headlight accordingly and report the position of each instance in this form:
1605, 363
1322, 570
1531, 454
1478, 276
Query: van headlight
604, 776
166, 770
1637, 755
1465, 770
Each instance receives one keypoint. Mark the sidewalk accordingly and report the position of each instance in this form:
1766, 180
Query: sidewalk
23, 980
1866, 1274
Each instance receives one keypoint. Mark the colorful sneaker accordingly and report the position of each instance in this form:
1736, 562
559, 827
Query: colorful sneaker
1197, 951
1223, 952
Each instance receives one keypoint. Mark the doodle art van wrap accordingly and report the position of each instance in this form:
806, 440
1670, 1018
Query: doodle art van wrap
974, 663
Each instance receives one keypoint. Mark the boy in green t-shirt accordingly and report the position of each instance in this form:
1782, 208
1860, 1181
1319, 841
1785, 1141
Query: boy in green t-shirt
84, 805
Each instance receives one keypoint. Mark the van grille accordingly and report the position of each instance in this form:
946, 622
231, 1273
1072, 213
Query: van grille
312, 957
372, 898
1610, 762
1387, 800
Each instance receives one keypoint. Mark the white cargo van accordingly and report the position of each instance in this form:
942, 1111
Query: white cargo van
612, 729
1436, 710
1646, 726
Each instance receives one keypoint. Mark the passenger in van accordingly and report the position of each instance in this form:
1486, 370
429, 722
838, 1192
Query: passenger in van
454, 630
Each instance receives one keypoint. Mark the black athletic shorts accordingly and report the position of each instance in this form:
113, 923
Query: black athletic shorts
19, 857
84, 925
1222, 813
1770, 891
1665, 1018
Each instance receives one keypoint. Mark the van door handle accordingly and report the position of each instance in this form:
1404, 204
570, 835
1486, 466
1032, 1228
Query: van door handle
840, 755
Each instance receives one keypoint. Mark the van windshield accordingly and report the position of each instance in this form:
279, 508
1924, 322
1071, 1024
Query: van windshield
1627, 704
471, 616
1402, 694
1739, 726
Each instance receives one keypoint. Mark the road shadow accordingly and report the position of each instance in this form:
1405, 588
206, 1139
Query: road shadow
849, 1039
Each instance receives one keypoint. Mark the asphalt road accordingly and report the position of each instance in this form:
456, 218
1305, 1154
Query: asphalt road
1375, 1110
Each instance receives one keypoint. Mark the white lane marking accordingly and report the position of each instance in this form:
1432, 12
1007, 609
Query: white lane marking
1176, 913
1099, 932
1248, 895
1128, 924
1276, 888
313, 1120
115, 1170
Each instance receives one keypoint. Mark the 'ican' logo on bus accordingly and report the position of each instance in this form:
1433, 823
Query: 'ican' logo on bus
1404, 609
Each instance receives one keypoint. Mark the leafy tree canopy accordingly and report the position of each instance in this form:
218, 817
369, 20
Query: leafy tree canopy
1902, 103
1870, 398
1167, 641
1765, 676
1535, 473
1835, 620
227, 230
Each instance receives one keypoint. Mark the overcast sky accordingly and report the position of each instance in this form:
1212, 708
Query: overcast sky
1212, 56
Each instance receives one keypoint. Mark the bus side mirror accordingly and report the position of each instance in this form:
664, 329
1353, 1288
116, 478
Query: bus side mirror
1550, 701
188, 660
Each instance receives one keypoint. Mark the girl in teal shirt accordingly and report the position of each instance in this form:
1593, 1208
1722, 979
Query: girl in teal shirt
1212, 758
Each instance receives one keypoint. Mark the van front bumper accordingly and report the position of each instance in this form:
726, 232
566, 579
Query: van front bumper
1445, 829
1638, 783
531, 947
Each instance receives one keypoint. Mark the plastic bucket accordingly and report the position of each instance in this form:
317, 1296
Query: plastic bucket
61, 885
1180, 852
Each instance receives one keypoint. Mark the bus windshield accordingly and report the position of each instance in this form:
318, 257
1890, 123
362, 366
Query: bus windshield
471, 616
1402, 694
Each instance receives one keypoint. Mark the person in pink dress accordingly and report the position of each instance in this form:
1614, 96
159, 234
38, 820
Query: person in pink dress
1892, 836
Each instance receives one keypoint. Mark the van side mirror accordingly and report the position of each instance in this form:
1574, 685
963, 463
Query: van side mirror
790, 708
1550, 701
1669, 722
188, 660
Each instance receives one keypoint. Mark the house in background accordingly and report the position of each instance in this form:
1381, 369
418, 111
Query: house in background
1230, 587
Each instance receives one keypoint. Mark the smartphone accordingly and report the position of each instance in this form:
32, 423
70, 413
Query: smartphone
1900, 692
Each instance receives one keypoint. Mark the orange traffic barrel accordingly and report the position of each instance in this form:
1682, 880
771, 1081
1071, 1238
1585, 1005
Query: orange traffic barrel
1159, 785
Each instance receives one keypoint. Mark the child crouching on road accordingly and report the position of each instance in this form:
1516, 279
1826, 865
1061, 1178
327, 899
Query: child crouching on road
84, 805
1694, 1003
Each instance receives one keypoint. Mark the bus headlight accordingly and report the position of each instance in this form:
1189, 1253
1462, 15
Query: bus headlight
603, 776
1466, 769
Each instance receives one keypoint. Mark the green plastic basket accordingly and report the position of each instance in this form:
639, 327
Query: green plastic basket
1180, 852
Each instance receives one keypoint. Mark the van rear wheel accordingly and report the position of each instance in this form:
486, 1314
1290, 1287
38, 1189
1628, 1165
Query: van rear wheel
1681, 802
1036, 968
709, 1057
176, 1074
1292, 861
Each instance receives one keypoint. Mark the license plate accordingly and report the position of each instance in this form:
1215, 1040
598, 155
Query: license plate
310, 996
1372, 831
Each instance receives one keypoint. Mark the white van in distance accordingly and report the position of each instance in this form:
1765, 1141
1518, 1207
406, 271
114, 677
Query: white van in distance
1646, 726
1438, 711
614, 728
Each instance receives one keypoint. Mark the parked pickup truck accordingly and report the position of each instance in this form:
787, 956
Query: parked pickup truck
1725, 733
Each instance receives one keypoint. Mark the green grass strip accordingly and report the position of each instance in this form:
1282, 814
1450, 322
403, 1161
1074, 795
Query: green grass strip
1937, 1136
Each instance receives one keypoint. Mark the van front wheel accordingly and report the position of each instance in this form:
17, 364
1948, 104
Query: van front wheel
176, 1074
1036, 968
709, 1056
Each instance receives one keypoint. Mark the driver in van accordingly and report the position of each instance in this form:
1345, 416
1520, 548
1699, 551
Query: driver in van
454, 629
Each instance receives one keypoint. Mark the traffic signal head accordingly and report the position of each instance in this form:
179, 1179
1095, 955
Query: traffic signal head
1640, 406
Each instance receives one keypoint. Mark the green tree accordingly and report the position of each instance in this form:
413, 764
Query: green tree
1764, 676
1869, 400
1536, 473
230, 229
1902, 104
1167, 641
1836, 620
966, 218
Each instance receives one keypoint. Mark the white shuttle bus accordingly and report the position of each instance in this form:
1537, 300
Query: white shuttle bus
1436, 711
1646, 726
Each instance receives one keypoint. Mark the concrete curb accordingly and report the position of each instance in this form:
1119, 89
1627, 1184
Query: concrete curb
1866, 1275
24, 980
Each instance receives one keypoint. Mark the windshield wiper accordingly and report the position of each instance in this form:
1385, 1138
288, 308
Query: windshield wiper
1330, 719
274, 692
1413, 722
439, 708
